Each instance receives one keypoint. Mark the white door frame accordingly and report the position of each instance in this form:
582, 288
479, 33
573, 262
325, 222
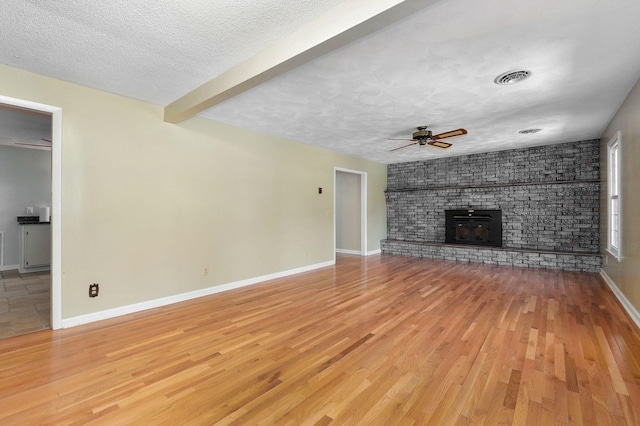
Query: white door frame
56, 200
363, 208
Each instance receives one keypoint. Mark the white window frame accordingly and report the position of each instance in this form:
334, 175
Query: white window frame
614, 202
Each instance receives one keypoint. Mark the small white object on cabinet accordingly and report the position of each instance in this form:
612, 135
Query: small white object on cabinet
35, 247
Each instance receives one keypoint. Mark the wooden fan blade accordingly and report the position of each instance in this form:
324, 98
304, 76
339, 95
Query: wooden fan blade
451, 134
440, 144
395, 149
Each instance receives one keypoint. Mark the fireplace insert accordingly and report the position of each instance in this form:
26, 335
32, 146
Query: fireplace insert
474, 227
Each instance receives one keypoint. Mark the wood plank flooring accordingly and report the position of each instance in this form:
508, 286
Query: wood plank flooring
384, 340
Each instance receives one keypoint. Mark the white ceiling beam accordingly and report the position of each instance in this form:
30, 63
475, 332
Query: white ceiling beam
342, 25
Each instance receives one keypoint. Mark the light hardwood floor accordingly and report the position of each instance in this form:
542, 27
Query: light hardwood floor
385, 340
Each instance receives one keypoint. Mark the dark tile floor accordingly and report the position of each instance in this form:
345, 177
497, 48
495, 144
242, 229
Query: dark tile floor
24, 302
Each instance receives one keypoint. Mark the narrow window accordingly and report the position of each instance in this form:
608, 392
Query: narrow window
613, 177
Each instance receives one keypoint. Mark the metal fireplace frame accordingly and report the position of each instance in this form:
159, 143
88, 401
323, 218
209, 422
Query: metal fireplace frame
474, 227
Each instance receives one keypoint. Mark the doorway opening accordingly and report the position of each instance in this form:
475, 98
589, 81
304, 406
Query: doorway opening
350, 211
56, 198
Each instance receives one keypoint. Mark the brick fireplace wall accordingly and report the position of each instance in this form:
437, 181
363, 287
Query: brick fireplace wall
549, 197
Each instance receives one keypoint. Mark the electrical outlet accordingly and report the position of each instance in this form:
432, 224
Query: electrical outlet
93, 290
205, 271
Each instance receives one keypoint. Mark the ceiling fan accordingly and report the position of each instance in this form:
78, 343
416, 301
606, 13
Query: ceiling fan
46, 144
425, 137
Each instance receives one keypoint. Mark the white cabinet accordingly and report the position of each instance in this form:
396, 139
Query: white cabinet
35, 247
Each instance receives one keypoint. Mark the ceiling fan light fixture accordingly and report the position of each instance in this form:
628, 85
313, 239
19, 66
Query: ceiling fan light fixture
512, 77
425, 137
422, 134
529, 131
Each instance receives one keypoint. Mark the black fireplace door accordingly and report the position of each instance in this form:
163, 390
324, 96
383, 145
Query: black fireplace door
474, 227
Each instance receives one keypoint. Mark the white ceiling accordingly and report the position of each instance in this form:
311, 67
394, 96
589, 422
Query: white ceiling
433, 68
25, 129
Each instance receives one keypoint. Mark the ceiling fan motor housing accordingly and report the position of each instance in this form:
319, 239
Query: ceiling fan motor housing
422, 135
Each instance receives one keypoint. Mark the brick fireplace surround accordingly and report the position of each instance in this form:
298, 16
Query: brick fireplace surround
549, 197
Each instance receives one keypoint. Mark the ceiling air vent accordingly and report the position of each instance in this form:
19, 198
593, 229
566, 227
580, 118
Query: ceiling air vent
512, 77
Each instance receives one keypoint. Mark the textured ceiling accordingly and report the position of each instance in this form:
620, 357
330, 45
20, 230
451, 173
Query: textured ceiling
152, 50
18, 127
434, 68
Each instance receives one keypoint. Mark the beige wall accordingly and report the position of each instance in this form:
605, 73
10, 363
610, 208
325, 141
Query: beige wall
626, 272
147, 205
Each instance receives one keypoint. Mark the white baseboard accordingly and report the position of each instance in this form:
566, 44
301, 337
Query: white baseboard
346, 251
8, 267
150, 304
40, 269
358, 252
631, 310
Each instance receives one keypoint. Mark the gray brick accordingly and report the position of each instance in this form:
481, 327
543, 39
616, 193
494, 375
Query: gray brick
543, 205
